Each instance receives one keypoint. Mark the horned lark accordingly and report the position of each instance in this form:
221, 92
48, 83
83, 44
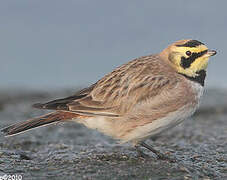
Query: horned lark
137, 100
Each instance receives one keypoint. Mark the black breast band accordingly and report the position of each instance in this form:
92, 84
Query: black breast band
200, 78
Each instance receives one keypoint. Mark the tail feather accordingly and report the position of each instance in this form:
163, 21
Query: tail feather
37, 122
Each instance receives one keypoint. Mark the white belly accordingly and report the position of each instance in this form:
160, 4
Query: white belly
171, 120
159, 125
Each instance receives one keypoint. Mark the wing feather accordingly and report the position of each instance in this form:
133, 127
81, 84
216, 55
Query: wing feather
117, 92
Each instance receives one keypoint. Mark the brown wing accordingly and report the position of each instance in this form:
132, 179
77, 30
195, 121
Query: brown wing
117, 92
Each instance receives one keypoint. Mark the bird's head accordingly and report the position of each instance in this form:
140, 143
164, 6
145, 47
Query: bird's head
188, 57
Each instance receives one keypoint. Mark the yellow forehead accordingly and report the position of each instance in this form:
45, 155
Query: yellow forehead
196, 49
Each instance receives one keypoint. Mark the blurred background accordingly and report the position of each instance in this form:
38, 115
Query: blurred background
50, 48
65, 44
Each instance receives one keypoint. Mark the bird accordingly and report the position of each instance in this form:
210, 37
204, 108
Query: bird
137, 100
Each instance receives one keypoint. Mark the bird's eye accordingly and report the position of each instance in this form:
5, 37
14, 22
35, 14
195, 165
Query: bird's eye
188, 53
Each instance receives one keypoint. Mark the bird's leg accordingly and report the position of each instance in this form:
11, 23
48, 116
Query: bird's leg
140, 153
158, 154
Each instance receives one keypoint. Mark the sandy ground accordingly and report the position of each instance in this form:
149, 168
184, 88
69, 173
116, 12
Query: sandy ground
70, 151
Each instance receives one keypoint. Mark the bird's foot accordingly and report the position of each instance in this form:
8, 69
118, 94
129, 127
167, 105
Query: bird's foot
166, 157
157, 153
140, 153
